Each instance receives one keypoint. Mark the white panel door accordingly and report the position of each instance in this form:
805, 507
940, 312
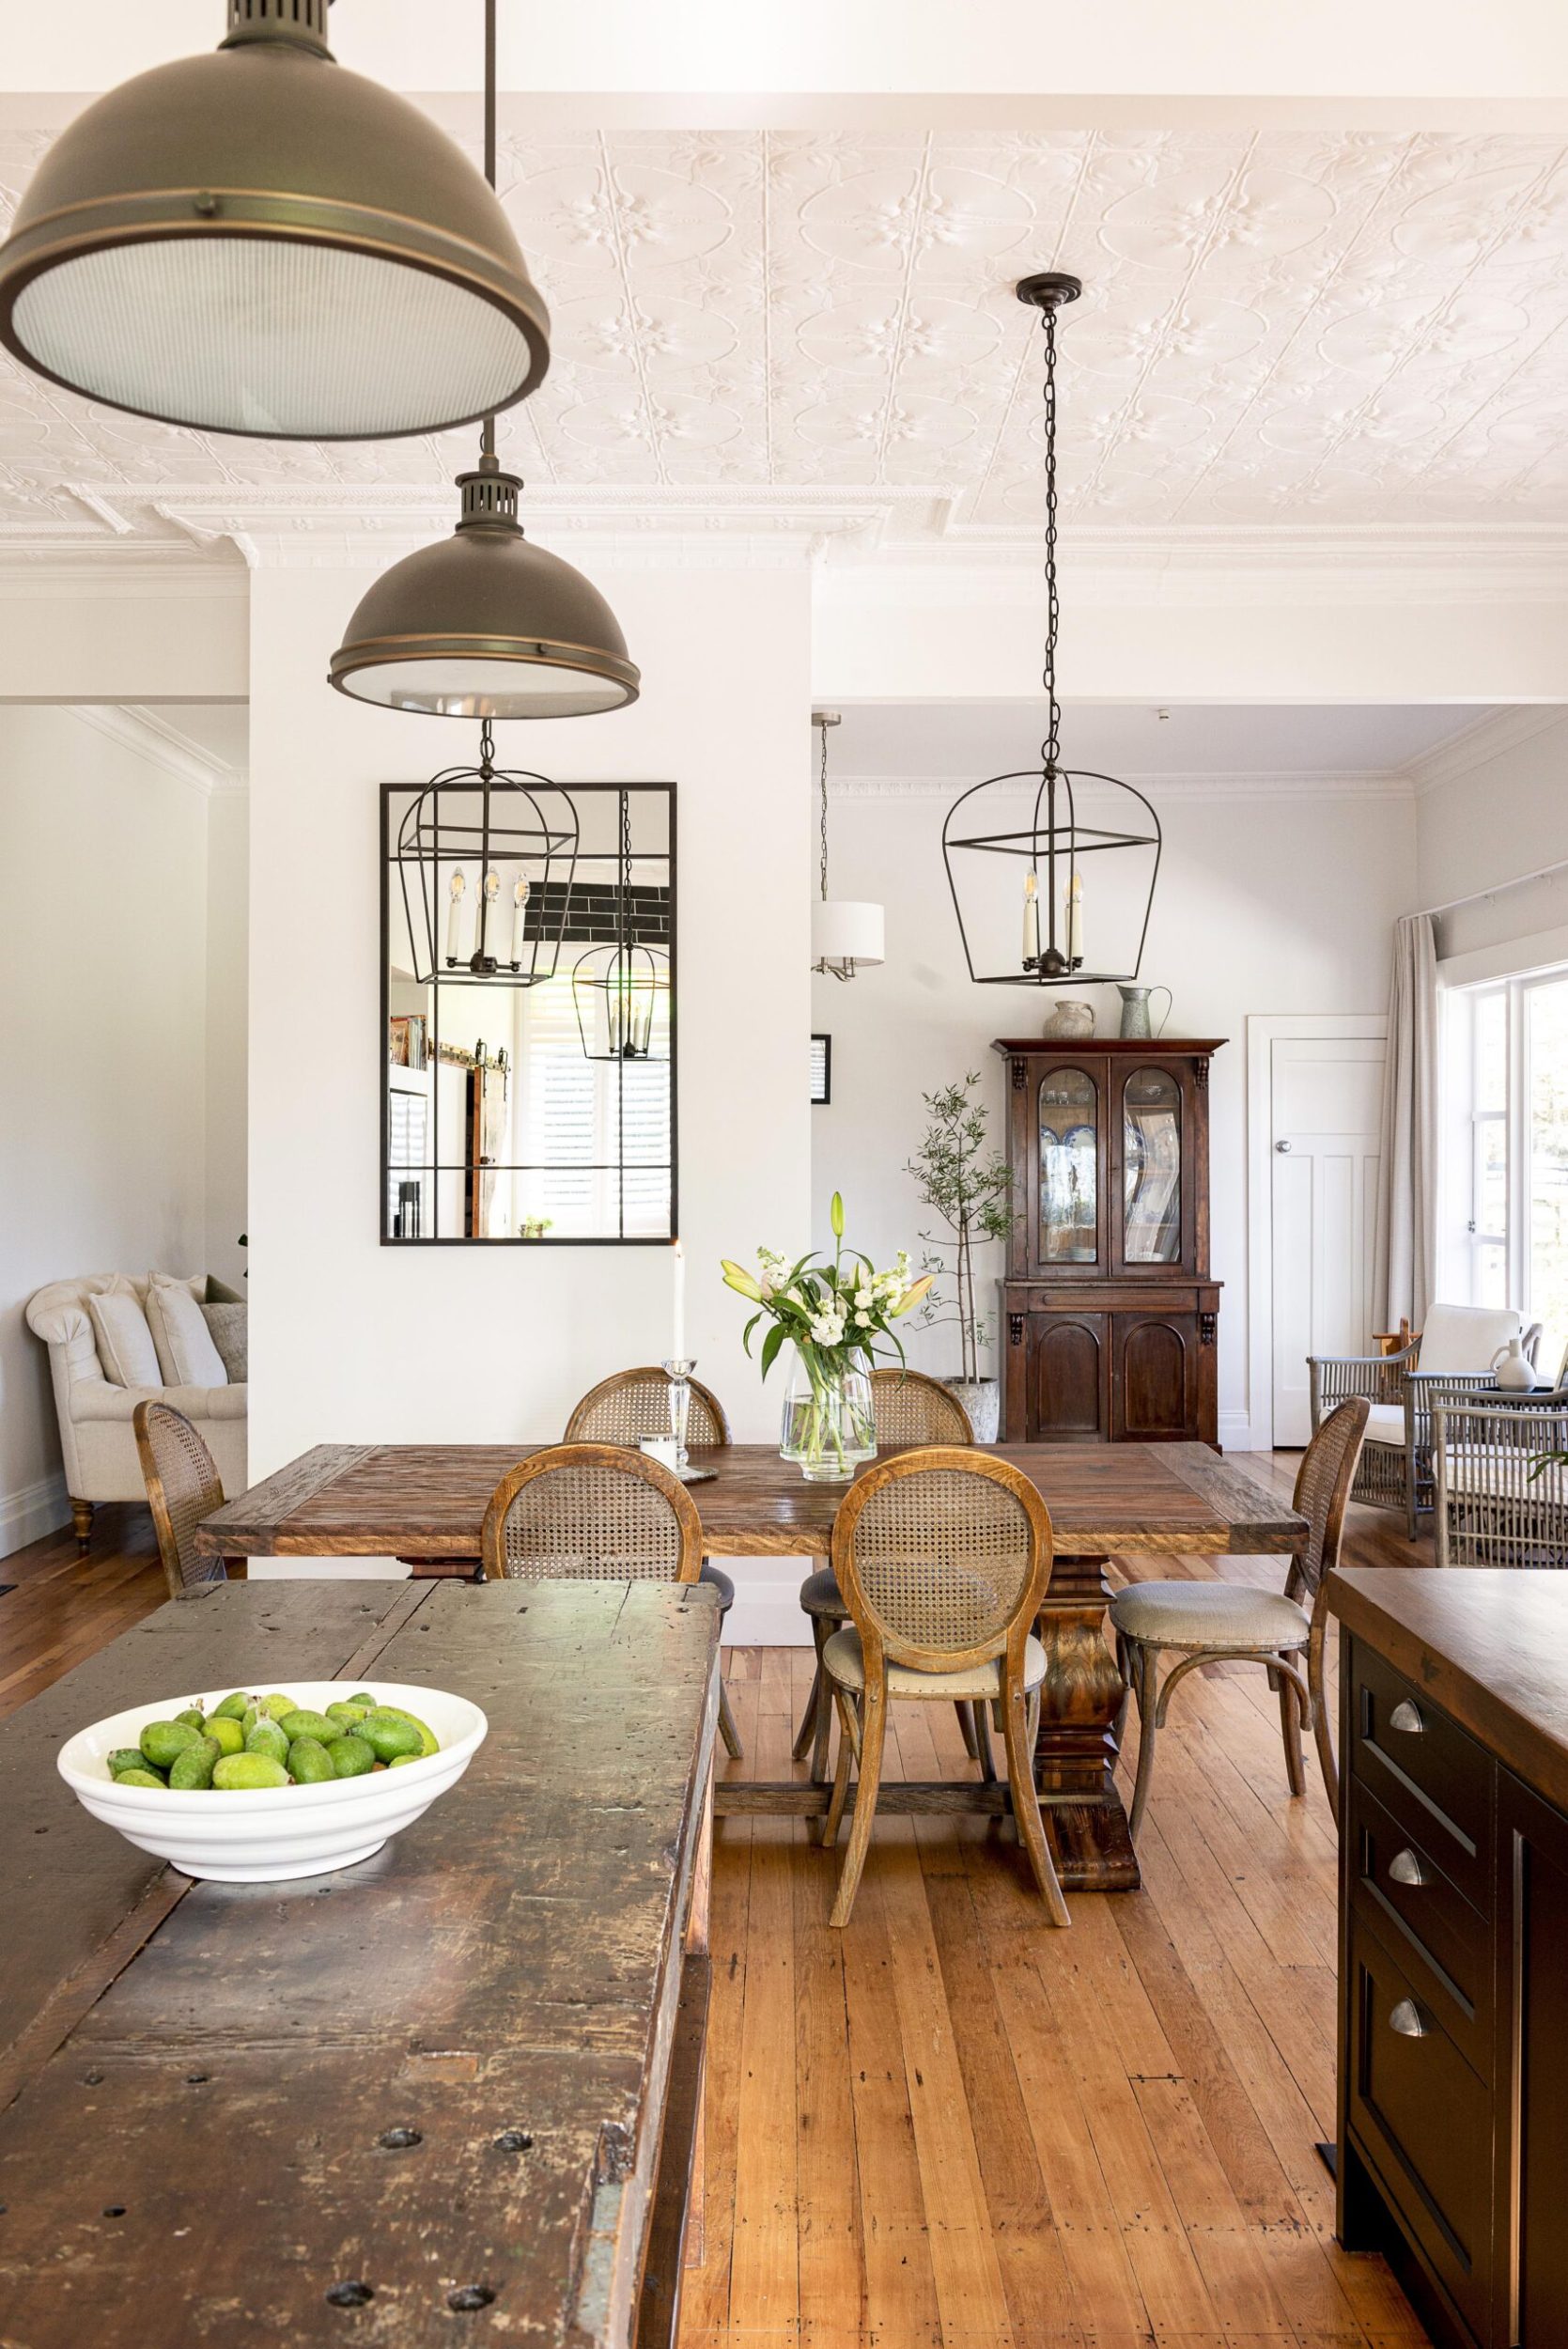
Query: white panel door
1326, 1096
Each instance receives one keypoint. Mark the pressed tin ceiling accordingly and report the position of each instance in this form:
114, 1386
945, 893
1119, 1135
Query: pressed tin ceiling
1289, 328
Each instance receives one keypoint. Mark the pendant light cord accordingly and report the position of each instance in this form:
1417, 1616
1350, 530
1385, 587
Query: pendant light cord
1050, 747
823, 789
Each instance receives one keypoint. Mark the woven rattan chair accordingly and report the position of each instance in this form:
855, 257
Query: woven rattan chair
907, 1407
1499, 1503
183, 1487
1455, 1350
636, 1403
945, 1556
591, 1512
1212, 1622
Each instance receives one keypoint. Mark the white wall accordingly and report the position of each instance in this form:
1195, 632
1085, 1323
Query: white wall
1271, 902
227, 1013
102, 1049
352, 1341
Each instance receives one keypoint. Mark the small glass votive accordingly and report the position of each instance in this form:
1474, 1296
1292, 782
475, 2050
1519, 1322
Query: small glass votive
679, 1376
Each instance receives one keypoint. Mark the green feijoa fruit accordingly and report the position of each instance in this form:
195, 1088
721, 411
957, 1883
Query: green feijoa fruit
163, 1740
351, 1757
363, 1696
387, 1735
227, 1733
398, 1759
194, 1715
307, 1724
233, 1708
348, 1714
141, 1778
249, 1718
277, 1707
193, 1770
309, 1762
126, 1758
237, 1772
268, 1739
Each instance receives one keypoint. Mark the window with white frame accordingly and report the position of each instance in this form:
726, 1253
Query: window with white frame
1506, 1159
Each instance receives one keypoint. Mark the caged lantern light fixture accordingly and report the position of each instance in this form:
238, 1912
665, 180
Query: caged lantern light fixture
621, 984
258, 241
485, 858
846, 933
1037, 939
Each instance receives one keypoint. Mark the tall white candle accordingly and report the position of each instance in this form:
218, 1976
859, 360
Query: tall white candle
1074, 918
485, 940
454, 918
678, 1342
519, 910
1030, 917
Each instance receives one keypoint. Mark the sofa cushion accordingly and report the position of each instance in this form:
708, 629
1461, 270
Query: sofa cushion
95, 1400
1459, 1339
126, 1348
226, 1323
186, 1354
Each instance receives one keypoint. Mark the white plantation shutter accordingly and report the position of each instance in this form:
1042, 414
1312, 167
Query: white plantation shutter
568, 1128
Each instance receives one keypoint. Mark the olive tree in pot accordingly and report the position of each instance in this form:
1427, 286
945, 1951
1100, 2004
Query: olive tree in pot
970, 1188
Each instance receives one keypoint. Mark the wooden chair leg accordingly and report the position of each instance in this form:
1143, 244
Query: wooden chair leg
1323, 1730
982, 1744
1026, 1803
1124, 1665
727, 1729
874, 1721
966, 1724
828, 1832
81, 1525
807, 1730
1290, 1729
1145, 1662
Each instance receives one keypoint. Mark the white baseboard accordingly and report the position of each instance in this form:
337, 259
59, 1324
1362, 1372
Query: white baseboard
1236, 1431
33, 1511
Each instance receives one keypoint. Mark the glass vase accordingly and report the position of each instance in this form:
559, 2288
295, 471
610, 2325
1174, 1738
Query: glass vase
828, 1427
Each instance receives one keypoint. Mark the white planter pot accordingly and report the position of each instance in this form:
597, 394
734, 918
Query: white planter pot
982, 1399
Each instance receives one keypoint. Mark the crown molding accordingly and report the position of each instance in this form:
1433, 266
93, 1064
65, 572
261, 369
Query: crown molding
151, 738
1492, 736
1272, 786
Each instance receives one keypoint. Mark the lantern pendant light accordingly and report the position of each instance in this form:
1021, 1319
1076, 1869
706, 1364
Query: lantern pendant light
1047, 947
619, 984
259, 241
482, 624
846, 933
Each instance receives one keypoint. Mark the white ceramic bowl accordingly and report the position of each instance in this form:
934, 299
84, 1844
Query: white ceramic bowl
266, 1834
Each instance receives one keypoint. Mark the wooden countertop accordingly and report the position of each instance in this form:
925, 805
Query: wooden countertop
1490, 1646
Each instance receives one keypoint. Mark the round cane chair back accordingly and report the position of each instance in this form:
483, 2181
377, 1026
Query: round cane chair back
1323, 1484
909, 1407
591, 1512
943, 1556
183, 1487
636, 1403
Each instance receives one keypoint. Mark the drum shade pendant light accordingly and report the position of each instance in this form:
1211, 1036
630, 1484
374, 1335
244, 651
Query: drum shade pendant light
1035, 937
260, 242
483, 625
846, 933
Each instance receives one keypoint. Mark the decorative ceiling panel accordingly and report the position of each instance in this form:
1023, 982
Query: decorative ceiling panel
1283, 328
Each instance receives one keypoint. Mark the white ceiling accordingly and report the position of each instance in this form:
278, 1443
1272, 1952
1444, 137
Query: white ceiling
912, 740
1279, 327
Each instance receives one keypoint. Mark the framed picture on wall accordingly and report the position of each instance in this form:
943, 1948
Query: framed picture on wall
821, 1070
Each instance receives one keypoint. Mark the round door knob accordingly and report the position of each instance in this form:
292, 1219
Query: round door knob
1282, 1146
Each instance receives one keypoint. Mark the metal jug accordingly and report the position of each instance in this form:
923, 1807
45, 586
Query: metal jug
1135, 1009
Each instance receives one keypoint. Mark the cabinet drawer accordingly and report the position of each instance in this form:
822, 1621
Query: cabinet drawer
1397, 1881
1425, 2119
1403, 1746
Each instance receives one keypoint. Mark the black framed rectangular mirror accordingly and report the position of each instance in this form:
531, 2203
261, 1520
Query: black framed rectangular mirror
528, 1012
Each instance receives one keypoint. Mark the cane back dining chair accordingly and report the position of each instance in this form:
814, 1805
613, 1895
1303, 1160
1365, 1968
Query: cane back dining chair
944, 1556
636, 1403
591, 1512
183, 1487
1457, 1349
1208, 1623
907, 1407
1501, 1484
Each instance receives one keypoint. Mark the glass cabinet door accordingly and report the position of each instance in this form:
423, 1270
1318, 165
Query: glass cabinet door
1069, 1167
1152, 1168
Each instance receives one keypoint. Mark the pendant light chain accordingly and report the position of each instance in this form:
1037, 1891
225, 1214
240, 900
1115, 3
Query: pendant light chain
823, 787
1050, 747
487, 430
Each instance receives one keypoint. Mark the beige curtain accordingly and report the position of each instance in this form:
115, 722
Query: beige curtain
1408, 1175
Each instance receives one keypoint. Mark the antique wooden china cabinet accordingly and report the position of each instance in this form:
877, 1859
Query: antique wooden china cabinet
1109, 1315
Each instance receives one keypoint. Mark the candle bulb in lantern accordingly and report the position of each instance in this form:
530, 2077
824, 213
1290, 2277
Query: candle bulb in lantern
487, 914
1030, 917
454, 918
677, 1350
519, 911
1074, 918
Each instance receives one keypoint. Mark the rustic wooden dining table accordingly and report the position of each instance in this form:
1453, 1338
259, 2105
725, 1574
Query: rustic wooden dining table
425, 1503
452, 2092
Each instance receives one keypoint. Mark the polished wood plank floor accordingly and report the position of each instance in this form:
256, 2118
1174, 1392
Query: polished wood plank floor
950, 2127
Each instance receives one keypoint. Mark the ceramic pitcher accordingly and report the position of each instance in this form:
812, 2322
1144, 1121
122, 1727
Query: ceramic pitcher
1512, 1368
1135, 1009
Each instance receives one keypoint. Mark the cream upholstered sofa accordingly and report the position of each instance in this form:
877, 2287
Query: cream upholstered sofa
95, 1411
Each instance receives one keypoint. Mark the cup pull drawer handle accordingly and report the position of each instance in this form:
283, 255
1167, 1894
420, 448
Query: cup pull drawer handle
1406, 1716
1406, 2018
1404, 1868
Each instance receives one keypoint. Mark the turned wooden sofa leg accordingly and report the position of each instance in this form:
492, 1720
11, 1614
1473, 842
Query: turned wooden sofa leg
81, 1518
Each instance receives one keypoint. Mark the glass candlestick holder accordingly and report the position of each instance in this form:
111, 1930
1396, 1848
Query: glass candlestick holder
679, 1376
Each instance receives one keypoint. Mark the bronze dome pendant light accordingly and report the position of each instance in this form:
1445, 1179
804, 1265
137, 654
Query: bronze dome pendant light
1039, 942
259, 241
484, 624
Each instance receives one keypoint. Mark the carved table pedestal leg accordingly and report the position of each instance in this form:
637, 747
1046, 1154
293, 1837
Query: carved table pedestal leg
1074, 1757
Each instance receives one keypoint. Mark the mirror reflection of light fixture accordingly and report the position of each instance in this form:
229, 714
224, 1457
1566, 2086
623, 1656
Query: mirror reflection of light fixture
846, 933
620, 982
484, 624
258, 241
